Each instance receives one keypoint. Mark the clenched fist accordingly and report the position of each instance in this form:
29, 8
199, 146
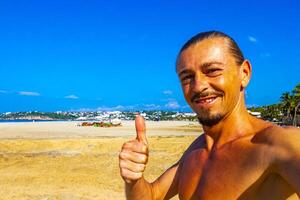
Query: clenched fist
134, 154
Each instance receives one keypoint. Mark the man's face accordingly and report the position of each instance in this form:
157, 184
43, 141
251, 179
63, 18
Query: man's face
210, 79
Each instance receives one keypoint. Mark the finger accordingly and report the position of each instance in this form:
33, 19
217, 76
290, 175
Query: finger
133, 156
135, 146
140, 129
128, 175
134, 167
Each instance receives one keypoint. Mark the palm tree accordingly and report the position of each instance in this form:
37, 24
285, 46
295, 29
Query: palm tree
295, 116
296, 95
286, 103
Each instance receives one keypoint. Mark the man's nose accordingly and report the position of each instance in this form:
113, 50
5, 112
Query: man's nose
200, 83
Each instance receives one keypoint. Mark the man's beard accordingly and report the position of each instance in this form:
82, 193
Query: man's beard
206, 119
204, 116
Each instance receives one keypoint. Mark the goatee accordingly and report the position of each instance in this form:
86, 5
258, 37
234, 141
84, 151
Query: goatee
207, 120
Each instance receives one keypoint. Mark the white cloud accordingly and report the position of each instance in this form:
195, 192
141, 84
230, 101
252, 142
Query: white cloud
26, 93
152, 106
117, 108
187, 106
172, 104
82, 110
252, 39
167, 92
251, 105
130, 107
72, 96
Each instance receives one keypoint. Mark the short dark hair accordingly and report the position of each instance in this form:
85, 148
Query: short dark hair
232, 45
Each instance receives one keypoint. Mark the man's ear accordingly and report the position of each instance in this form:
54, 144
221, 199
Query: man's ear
246, 71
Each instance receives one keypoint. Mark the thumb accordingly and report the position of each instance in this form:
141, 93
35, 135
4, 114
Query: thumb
140, 129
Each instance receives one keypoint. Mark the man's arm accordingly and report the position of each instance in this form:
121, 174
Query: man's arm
132, 162
133, 159
287, 156
166, 186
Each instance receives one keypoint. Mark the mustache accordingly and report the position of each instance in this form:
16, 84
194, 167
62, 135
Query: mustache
205, 94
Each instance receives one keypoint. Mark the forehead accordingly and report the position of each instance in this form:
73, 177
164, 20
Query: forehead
207, 50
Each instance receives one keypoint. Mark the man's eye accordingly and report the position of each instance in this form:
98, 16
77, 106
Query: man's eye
186, 78
213, 72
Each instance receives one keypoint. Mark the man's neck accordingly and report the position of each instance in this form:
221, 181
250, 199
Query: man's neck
237, 124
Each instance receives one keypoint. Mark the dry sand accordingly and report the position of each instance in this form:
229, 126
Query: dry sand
59, 160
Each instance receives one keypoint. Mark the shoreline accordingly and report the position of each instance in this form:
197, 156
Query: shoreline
70, 129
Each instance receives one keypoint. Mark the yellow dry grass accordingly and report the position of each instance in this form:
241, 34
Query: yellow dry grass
76, 169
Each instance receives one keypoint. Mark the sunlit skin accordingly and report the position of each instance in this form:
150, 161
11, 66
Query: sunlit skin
208, 68
238, 156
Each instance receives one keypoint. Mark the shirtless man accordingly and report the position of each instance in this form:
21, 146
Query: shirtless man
238, 156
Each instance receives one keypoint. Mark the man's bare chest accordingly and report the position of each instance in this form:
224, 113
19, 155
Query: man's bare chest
228, 174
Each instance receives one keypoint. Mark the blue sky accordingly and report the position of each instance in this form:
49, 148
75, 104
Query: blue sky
102, 55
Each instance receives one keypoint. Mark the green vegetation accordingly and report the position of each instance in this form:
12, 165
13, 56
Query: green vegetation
38, 115
286, 111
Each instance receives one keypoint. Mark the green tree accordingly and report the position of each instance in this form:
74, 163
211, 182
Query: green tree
296, 97
286, 103
271, 112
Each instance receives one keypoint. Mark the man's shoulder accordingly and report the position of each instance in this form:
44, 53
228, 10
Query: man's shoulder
281, 142
197, 145
273, 134
286, 136
279, 133
291, 129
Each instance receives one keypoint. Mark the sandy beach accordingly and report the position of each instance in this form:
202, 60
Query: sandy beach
60, 160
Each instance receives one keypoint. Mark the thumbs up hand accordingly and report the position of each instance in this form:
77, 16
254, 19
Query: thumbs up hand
140, 129
134, 154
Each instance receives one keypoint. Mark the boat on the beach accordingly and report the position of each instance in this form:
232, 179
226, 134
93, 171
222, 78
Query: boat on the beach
112, 123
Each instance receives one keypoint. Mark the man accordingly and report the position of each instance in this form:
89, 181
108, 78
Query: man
238, 156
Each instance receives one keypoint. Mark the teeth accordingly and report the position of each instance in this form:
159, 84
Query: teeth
207, 100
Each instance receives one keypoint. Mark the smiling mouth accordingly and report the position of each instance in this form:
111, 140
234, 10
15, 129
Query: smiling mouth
205, 101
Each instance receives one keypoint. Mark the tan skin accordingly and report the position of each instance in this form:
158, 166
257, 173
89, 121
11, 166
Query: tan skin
239, 157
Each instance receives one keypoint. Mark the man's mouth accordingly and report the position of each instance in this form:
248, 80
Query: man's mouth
205, 101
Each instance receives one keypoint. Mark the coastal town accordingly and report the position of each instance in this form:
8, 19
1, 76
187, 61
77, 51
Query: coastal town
274, 113
103, 116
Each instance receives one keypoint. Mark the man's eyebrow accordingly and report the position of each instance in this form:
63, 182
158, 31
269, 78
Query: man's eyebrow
207, 64
185, 71
203, 65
